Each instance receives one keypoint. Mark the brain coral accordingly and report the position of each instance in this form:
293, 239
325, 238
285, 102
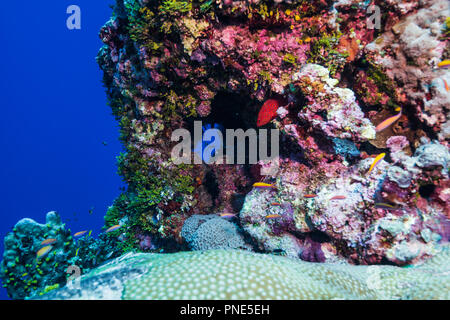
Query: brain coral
234, 274
206, 232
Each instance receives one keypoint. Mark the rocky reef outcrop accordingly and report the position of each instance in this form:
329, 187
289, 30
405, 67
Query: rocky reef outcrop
168, 64
344, 188
25, 272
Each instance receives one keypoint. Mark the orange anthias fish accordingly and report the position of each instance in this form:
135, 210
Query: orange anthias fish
273, 216
276, 204
446, 85
309, 196
43, 251
444, 64
389, 121
79, 234
48, 241
263, 185
268, 112
338, 198
375, 161
113, 228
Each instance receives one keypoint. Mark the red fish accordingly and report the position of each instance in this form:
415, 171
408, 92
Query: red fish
309, 196
268, 112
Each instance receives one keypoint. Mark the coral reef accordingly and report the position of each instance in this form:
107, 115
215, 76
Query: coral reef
408, 53
209, 232
22, 272
232, 274
352, 226
25, 274
334, 79
168, 64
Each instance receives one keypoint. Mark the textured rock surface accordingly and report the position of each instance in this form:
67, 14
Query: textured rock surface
355, 228
334, 82
208, 232
231, 274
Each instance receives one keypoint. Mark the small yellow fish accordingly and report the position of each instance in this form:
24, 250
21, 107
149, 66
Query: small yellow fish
76, 252
263, 185
444, 64
43, 251
389, 121
90, 233
273, 216
384, 205
113, 228
375, 161
48, 241
79, 234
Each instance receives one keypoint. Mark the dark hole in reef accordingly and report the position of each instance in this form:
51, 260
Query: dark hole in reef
211, 185
386, 262
415, 124
318, 236
372, 150
228, 109
427, 190
237, 202
27, 243
291, 150
300, 103
323, 114
232, 20
233, 111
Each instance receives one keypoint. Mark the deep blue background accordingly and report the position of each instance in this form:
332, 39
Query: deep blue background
54, 116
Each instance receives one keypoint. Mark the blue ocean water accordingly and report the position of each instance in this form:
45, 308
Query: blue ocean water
54, 117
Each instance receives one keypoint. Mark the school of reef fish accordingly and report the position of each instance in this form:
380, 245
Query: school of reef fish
361, 181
